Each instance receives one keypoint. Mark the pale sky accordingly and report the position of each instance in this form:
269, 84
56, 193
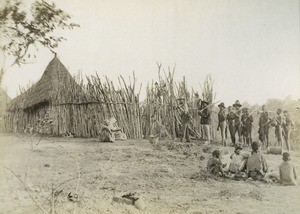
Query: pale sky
250, 47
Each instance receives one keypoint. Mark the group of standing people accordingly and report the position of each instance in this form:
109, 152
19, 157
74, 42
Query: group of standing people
205, 121
282, 123
238, 121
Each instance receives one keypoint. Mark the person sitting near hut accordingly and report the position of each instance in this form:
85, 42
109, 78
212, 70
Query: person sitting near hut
110, 131
256, 164
119, 135
214, 164
205, 120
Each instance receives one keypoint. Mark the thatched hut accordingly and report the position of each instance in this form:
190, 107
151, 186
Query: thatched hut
57, 105
37, 107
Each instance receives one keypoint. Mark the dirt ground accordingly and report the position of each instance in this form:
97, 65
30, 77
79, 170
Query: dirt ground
166, 176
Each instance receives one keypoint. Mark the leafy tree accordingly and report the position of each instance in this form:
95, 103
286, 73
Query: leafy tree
21, 30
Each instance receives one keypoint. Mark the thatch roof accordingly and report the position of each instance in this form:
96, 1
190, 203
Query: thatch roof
51, 88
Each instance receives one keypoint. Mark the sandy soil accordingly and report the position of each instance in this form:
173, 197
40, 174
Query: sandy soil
166, 176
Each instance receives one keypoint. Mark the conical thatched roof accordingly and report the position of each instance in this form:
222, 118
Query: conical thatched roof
50, 88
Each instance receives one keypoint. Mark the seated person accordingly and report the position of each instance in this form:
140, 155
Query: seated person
238, 161
214, 164
256, 164
110, 131
287, 172
119, 135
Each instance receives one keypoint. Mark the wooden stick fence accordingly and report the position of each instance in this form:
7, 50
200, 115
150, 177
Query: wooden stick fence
161, 103
81, 108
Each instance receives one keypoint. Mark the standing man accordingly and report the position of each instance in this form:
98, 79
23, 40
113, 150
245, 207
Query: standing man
287, 126
264, 126
247, 121
205, 120
198, 103
230, 122
222, 122
278, 128
185, 119
243, 118
237, 119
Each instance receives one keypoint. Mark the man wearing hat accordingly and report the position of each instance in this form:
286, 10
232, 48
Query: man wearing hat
235, 124
222, 122
205, 120
247, 121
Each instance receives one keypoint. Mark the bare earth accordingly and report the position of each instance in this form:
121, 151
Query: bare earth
167, 177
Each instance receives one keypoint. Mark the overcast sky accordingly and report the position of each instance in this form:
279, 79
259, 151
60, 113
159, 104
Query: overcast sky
251, 48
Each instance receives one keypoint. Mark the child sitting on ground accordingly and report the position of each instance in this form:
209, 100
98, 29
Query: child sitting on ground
256, 165
214, 164
238, 161
287, 172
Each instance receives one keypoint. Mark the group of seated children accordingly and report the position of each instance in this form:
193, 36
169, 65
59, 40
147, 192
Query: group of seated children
253, 166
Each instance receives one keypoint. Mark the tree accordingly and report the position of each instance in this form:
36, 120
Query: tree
20, 29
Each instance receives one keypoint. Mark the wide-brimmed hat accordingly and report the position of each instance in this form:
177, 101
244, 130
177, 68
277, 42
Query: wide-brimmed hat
237, 103
222, 105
